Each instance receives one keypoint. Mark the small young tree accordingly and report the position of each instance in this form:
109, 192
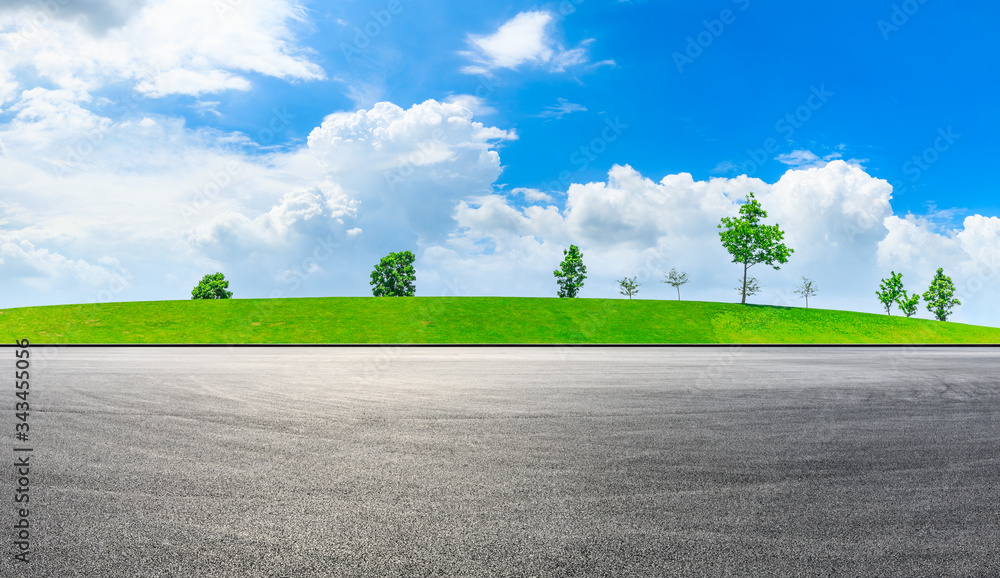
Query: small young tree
571, 273
908, 303
676, 279
806, 289
748, 287
750, 241
891, 290
394, 276
940, 297
628, 286
212, 287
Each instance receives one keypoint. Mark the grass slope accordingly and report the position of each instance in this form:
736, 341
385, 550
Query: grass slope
467, 320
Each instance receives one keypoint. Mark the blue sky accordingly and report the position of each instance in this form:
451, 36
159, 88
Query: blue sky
487, 138
892, 87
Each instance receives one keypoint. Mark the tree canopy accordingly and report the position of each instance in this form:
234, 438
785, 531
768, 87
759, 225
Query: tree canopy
751, 242
908, 303
571, 272
394, 276
212, 287
890, 291
940, 296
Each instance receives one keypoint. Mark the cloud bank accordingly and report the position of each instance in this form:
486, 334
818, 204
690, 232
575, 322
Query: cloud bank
159, 47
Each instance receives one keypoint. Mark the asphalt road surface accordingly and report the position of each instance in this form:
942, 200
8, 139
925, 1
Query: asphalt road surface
467, 461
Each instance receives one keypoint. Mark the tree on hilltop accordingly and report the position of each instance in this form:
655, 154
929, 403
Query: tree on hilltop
212, 287
394, 276
676, 279
571, 273
890, 291
751, 242
807, 289
908, 304
628, 286
940, 297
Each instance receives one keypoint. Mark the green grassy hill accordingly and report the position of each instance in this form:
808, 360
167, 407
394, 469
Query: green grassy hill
467, 320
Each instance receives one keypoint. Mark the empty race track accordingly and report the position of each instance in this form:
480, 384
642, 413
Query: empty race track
508, 461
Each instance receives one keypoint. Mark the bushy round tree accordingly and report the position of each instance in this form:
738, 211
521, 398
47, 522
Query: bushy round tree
212, 287
940, 297
394, 276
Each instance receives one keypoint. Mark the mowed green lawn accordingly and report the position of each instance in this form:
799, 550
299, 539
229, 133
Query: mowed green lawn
467, 320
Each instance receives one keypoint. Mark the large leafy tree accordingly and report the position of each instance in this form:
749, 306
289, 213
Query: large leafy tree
212, 287
571, 272
394, 276
890, 291
940, 297
676, 279
751, 242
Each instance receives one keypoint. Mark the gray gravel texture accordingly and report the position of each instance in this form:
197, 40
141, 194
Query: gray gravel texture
490, 461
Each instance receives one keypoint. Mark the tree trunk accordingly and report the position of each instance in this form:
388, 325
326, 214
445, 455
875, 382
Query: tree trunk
678, 292
744, 301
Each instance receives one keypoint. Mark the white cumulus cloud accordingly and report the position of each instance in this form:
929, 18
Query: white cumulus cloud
39, 269
525, 39
409, 167
160, 46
